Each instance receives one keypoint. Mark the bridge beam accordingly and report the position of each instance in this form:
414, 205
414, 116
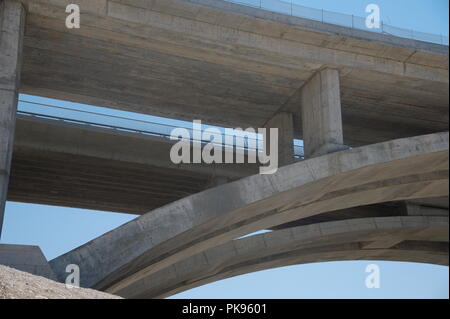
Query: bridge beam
321, 114
406, 169
12, 21
411, 238
413, 209
284, 122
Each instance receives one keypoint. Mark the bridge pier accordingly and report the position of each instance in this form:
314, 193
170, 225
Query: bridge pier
12, 21
284, 122
321, 114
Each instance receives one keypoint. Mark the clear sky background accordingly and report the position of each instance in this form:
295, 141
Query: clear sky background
57, 230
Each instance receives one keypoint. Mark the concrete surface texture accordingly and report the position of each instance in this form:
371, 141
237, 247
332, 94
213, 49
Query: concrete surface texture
284, 122
321, 114
412, 239
15, 284
228, 64
231, 65
12, 22
411, 168
26, 258
437, 206
371, 108
102, 169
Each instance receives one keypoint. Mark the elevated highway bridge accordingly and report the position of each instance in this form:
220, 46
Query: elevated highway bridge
371, 108
66, 162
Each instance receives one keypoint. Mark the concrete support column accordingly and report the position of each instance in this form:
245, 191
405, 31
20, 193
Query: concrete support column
284, 122
12, 22
321, 114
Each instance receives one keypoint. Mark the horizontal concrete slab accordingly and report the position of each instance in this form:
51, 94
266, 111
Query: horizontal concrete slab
231, 65
63, 164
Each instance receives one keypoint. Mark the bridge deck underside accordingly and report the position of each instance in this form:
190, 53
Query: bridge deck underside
67, 164
185, 61
63, 179
234, 70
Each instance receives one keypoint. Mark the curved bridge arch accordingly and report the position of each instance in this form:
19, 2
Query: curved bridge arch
402, 169
408, 238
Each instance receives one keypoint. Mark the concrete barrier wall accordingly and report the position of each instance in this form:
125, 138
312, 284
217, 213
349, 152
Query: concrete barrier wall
26, 258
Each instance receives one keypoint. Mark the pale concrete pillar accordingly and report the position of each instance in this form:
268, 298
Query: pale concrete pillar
284, 122
321, 114
12, 22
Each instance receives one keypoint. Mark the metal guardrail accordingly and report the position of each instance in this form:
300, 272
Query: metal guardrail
94, 124
341, 19
95, 119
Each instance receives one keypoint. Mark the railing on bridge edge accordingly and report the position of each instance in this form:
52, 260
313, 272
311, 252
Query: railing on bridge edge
341, 19
156, 129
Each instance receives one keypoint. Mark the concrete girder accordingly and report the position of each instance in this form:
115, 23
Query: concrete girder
413, 209
418, 239
82, 166
393, 171
231, 65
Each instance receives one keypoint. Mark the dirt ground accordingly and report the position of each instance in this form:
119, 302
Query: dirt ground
15, 284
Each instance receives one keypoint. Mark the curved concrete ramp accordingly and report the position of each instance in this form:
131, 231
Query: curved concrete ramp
397, 170
413, 239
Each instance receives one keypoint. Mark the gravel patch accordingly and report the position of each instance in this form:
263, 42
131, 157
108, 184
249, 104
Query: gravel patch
16, 284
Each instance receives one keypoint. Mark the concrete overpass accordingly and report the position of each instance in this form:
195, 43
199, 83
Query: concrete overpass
62, 162
407, 169
235, 66
408, 239
77, 165
231, 65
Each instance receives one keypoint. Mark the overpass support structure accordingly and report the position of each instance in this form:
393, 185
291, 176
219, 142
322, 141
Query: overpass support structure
417, 239
321, 114
284, 122
12, 22
400, 170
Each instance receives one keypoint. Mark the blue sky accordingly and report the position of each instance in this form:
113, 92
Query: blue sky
421, 15
57, 230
